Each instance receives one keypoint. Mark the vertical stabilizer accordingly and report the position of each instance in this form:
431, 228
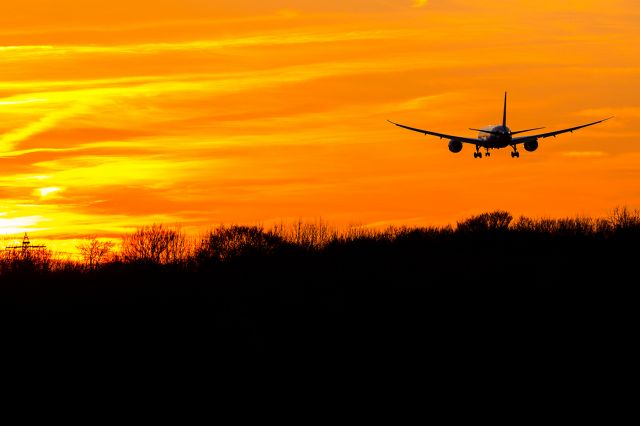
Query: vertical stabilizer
504, 113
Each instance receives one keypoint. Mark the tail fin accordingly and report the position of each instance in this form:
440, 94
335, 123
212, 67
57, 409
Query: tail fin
504, 113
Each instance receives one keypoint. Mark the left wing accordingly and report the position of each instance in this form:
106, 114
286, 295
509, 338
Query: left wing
524, 139
441, 135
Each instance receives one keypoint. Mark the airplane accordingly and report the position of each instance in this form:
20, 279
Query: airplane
498, 136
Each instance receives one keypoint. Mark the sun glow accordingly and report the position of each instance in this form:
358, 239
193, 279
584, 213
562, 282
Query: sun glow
18, 225
44, 192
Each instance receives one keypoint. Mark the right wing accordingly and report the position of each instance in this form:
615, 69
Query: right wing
556, 133
441, 135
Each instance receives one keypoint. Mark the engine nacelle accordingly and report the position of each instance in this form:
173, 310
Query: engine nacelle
531, 145
455, 146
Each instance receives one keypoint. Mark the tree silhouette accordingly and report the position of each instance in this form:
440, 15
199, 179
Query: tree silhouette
225, 243
94, 252
498, 220
156, 244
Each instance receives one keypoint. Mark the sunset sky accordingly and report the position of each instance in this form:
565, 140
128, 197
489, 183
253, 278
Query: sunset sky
115, 114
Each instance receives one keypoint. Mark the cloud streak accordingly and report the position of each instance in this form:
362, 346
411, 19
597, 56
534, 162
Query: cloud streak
8, 141
15, 53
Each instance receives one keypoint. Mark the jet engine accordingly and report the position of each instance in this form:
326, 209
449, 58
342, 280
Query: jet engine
455, 146
531, 145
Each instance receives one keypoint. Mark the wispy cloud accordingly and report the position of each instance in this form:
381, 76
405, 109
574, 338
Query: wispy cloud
618, 112
584, 154
8, 141
13, 53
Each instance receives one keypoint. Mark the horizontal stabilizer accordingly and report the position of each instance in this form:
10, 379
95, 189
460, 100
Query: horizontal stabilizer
528, 130
511, 133
487, 131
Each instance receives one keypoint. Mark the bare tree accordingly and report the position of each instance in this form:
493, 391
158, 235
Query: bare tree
622, 218
236, 241
156, 244
94, 251
498, 220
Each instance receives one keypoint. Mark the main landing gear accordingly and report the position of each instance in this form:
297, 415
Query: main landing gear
515, 153
478, 154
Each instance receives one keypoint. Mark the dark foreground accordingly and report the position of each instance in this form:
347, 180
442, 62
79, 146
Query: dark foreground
465, 297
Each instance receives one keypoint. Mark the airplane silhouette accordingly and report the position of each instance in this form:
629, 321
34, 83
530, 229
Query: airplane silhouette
498, 136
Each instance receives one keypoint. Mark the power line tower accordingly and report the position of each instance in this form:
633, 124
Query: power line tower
26, 257
25, 246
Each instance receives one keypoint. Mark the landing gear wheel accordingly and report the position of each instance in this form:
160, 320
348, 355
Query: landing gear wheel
515, 154
488, 154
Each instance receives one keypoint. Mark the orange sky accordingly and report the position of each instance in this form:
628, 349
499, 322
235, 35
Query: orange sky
116, 113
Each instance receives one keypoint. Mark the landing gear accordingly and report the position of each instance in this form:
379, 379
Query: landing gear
515, 153
477, 154
488, 154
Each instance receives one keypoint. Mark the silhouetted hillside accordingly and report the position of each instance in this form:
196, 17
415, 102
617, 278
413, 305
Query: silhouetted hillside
492, 283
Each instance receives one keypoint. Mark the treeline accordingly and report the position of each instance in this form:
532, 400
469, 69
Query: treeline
162, 245
489, 281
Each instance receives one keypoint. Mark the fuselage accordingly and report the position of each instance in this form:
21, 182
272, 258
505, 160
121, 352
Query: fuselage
495, 136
